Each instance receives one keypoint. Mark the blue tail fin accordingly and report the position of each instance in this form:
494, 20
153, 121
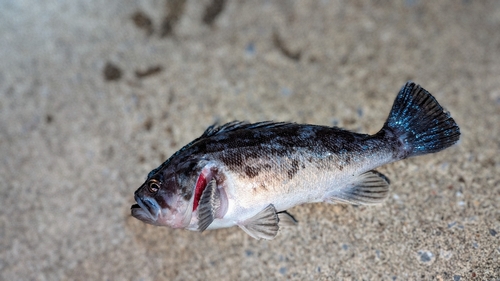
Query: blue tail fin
419, 123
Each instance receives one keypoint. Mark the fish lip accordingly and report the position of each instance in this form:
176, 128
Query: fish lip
145, 210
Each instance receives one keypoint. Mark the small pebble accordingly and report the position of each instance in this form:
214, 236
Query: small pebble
250, 49
283, 270
112, 72
360, 111
286, 91
426, 256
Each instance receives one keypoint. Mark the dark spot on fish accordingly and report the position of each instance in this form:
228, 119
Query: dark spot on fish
191, 165
152, 70
346, 160
219, 177
293, 170
161, 201
212, 11
142, 21
252, 172
112, 72
261, 188
187, 191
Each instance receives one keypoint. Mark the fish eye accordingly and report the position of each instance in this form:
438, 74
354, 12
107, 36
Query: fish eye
153, 186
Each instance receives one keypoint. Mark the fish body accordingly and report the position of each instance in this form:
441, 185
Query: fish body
249, 174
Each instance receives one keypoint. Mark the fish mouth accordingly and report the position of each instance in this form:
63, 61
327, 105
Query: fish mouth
146, 210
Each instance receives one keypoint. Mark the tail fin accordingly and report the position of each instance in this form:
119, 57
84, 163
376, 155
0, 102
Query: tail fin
419, 123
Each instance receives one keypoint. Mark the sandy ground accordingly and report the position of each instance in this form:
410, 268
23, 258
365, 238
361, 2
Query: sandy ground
95, 94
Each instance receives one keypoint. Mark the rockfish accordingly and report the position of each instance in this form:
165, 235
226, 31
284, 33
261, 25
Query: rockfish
249, 174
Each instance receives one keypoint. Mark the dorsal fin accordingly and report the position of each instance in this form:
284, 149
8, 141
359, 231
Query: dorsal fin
240, 125
214, 130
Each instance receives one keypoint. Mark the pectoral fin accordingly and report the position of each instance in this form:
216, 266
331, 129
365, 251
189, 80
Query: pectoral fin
368, 188
262, 225
209, 204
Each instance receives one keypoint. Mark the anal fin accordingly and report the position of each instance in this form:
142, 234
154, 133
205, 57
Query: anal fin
209, 204
262, 225
369, 188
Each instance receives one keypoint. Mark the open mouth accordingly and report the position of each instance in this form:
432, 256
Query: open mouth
145, 210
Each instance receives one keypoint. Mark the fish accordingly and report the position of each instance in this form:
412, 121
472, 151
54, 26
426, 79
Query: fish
249, 174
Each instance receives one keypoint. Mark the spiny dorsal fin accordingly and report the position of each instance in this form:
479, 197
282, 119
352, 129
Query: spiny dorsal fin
209, 204
369, 188
214, 130
240, 125
262, 225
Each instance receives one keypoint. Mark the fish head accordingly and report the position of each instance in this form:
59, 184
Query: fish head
165, 198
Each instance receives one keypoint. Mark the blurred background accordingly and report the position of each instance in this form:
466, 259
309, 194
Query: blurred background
95, 94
